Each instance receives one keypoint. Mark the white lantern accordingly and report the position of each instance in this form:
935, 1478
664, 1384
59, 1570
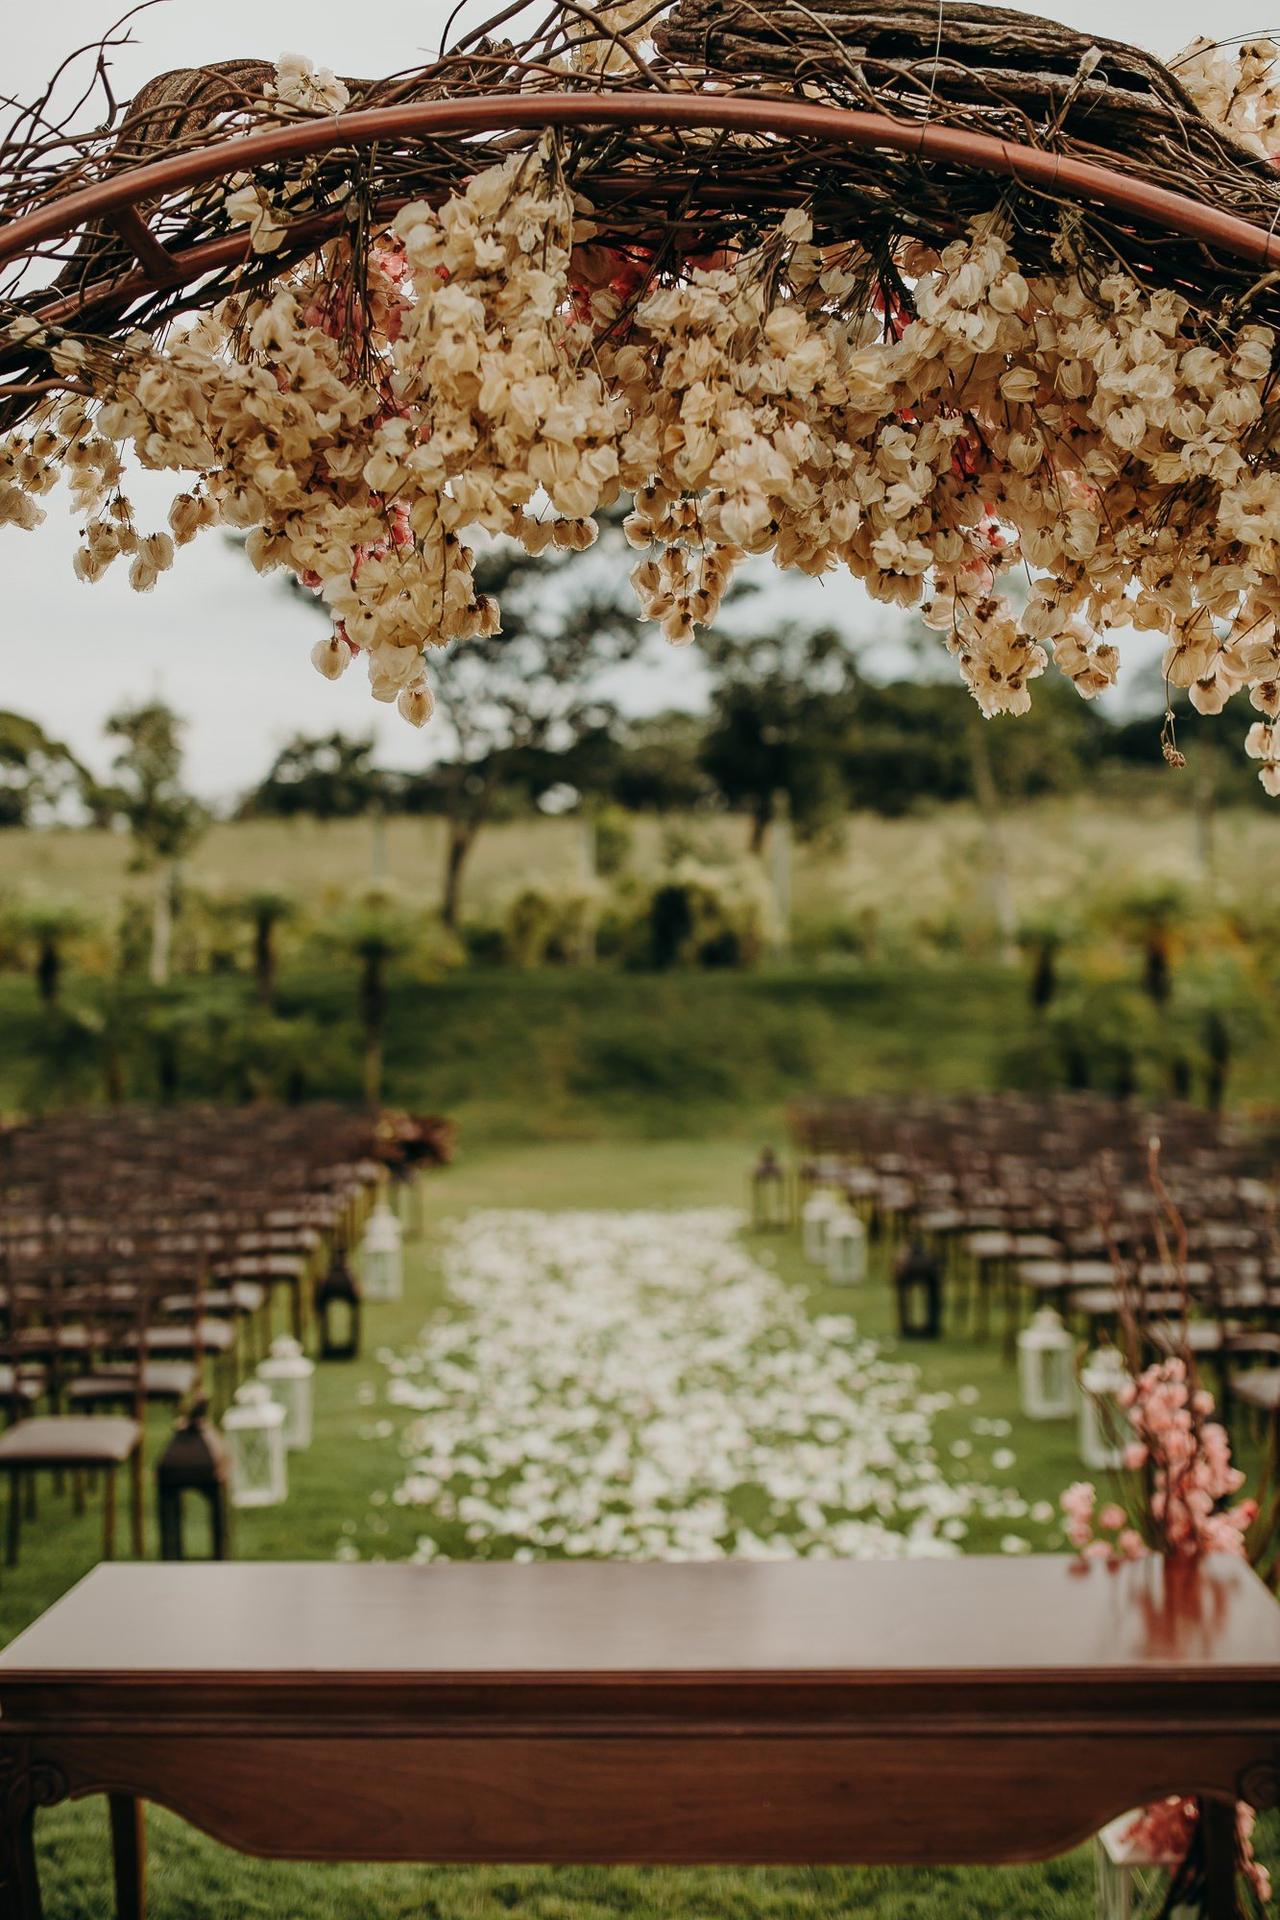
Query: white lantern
254, 1428
381, 1259
1046, 1374
287, 1375
846, 1249
1102, 1419
819, 1210
1127, 1866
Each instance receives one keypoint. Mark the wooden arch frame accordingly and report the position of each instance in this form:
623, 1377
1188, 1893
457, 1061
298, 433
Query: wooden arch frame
118, 198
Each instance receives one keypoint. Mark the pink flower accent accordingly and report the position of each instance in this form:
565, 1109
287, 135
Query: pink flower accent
1078, 1500
1190, 1476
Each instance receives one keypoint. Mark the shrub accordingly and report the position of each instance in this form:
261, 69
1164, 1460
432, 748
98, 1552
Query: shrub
543, 925
614, 841
693, 915
484, 942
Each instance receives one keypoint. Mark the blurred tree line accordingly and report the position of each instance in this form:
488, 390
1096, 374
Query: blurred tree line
788, 713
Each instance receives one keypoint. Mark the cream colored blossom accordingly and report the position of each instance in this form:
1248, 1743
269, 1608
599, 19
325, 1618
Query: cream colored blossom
493, 387
300, 83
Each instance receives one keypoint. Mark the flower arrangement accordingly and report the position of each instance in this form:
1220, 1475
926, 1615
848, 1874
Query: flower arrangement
501, 361
1184, 1456
1188, 1509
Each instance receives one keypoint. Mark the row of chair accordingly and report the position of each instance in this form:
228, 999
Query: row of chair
142, 1255
1165, 1217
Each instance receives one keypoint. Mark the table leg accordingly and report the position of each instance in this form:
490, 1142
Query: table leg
129, 1855
1218, 1827
19, 1885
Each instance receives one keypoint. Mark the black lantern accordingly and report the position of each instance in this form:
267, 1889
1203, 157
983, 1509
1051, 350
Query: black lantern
768, 1193
338, 1311
195, 1461
917, 1278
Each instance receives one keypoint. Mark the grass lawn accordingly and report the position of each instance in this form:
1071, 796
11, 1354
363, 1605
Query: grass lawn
336, 1500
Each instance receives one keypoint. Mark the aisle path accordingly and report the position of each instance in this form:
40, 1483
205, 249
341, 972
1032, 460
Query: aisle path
644, 1385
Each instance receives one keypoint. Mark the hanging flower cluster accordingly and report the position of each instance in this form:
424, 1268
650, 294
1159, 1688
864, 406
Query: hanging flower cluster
491, 368
1237, 87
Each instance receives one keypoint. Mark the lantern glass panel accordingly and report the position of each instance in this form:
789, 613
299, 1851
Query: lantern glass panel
381, 1256
1102, 1425
1046, 1368
254, 1431
815, 1221
288, 1375
847, 1251
1055, 1370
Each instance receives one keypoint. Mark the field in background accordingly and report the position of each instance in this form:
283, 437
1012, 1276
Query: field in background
896, 978
925, 866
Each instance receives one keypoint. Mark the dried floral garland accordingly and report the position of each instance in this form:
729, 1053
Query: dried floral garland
501, 361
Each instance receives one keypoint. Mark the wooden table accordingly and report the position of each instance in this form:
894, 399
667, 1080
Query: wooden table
926, 1711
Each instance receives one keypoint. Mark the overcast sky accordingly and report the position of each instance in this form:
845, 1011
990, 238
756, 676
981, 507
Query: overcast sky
225, 648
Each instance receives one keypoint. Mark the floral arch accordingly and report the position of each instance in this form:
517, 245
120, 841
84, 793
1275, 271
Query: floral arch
950, 300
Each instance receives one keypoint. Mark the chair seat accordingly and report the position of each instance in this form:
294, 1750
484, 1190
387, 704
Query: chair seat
941, 1220
994, 1244
215, 1336
272, 1268
161, 1380
1100, 1303
1051, 1276
1260, 1389
1192, 1273
32, 1382
1035, 1246
69, 1440
240, 1297
51, 1340
1196, 1336
1247, 1340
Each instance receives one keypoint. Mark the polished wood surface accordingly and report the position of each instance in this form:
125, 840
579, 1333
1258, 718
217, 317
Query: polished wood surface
940, 1711
1000, 1618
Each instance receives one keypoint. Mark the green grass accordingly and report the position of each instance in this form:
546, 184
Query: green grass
331, 1489
569, 1054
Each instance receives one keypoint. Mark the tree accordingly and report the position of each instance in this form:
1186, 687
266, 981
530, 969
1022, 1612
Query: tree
659, 765
533, 687
782, 705
37, 773
327, 776
148, 795
375, 931
510, 700
44, 928
906, 742
1042, 937
265, 910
